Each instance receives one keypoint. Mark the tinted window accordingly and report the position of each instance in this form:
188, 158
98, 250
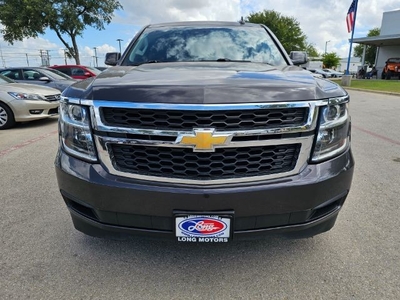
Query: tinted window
77, 72
205, 44
13, 74
32, 74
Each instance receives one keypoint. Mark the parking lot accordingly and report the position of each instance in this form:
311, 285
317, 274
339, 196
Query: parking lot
43, 257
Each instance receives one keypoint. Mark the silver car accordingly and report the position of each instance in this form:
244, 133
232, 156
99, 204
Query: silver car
20, 102
39, 75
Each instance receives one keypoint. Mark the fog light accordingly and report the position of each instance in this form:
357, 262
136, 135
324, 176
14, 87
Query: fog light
36, 111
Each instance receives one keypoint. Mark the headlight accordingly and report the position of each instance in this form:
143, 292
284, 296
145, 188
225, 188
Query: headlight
25, 96
75, 133
333, 135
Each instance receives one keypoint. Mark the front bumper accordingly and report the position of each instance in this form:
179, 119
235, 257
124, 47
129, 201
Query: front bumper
299, 206
23, 109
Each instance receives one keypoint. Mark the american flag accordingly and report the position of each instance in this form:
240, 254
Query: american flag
350, 16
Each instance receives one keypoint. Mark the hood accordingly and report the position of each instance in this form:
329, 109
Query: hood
29, 89
201, 82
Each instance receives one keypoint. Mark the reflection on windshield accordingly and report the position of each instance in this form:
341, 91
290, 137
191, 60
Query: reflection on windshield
5, 80
210, 44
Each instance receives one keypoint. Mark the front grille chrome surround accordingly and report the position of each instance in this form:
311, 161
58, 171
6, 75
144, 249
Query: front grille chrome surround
106, 136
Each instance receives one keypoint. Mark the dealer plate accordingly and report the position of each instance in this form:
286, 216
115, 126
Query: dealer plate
203, 228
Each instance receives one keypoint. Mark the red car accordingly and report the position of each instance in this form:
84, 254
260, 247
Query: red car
77, 71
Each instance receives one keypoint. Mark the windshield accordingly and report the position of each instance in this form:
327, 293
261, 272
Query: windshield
53, 75
178, 44
5, 80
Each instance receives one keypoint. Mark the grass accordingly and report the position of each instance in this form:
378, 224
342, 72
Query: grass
375, 85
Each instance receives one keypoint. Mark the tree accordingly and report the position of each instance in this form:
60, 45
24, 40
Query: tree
30, 18
286, 29
330, 60
370, 51
311, 51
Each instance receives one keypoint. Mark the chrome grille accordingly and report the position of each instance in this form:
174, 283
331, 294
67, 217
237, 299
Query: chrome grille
144, 140
53, 97
220, 120
224, 163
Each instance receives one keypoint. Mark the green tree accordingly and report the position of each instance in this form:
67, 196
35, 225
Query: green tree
311, 51
68, 19
370, 51
330, 60
286, 29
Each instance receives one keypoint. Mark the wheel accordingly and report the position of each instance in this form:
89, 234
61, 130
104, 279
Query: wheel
6, 117
388, 75
383, 75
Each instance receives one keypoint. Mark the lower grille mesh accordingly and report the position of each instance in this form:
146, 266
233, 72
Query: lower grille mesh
224, 163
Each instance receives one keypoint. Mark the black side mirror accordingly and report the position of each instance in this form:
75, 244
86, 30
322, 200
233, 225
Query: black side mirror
112, 58
298, 57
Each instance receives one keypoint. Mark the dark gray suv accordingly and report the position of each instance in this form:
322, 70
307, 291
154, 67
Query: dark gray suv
204, 132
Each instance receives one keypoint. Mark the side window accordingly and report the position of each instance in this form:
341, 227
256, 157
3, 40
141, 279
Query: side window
12, 74
65, 70
32, 75
77, 72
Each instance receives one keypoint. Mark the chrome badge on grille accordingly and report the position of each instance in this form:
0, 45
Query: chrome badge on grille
204, 140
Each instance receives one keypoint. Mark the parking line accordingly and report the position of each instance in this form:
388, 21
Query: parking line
24, 144
377, 135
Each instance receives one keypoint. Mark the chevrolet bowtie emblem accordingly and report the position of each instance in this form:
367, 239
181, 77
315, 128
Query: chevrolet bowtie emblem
204, 140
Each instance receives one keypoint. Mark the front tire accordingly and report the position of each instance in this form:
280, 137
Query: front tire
383, 75
7, 119
388, 75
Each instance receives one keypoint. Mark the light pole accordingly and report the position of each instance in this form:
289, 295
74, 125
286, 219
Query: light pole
119, 42
95, 56
326, 45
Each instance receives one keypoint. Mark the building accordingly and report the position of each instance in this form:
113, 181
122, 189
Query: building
355, 65
388, 42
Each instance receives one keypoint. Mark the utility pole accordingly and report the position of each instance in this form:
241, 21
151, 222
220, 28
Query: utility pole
65, 55
119, 42
27, 59
48, 57
95, 56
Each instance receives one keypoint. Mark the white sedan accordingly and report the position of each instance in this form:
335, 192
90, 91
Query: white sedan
20, 102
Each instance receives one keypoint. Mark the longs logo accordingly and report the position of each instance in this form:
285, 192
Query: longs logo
202, 226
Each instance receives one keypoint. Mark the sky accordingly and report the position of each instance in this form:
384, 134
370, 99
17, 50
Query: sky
322, 21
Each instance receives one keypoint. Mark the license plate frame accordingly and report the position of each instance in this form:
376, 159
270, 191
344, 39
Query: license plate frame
207, 227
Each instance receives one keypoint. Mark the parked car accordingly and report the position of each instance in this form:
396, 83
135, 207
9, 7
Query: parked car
38, 75
77, 71
334, 73
20, 102
204, 132
392, 68
316, 75
323, 73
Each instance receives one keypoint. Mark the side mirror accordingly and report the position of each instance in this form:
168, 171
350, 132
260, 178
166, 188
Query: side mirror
44, 79
298, 57
112, 58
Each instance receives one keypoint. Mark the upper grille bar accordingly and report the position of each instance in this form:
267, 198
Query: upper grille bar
217, 119
304, 123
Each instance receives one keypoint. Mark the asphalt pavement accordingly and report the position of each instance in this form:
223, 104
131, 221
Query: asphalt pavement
43, 257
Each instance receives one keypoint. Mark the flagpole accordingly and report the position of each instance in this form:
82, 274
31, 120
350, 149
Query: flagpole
351, 40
